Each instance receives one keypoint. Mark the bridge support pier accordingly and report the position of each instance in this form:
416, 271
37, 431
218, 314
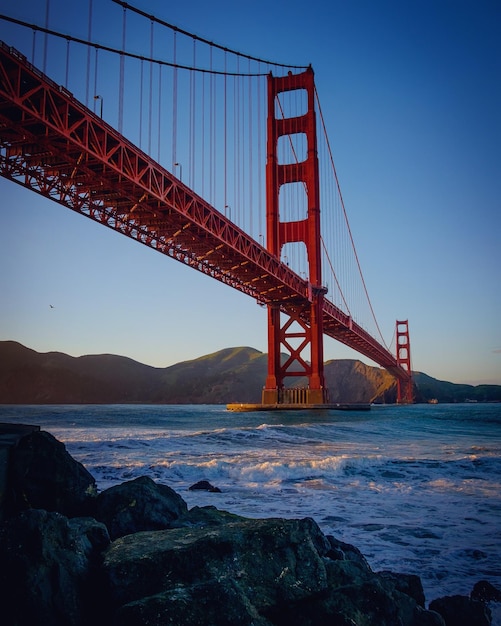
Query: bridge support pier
293, 396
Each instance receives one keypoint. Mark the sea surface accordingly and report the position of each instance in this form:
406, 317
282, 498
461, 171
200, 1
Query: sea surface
416, 488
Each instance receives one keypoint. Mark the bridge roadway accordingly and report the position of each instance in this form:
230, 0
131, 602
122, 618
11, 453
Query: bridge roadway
54, 145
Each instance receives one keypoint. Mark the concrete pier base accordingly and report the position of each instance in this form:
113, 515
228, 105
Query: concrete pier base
242, 407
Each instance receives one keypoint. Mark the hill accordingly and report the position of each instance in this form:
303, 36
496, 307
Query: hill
229, 375
428, 388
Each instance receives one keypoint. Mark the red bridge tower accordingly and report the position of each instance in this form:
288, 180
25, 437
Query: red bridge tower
404, 388
301, 342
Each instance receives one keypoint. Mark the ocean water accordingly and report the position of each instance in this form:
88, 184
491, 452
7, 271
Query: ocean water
416, 488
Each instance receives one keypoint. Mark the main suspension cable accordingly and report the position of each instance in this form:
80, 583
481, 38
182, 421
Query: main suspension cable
84, 42
130, 7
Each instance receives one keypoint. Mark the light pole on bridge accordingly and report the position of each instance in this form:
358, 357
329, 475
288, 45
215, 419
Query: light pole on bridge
100, 98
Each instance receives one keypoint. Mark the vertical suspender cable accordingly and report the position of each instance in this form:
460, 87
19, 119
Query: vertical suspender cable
67, 63
141, 105
159, 110
89, 36
260, 159
150, 106
45, 41
202, 151
174, 104
211, 131
122, 76
95, 79
239, 156
215, 167
192, 117
225, 136
240, 139
33, 46
236, 156
251, 162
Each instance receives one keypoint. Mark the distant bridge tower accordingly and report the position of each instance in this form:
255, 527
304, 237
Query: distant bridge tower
404, 388
295, 338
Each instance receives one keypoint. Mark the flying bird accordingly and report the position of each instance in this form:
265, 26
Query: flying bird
51, 306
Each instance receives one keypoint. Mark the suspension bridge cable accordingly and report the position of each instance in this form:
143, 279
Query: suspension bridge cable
141, 76
122, 74
193, 107
225, 139
175, 162
150, 109
47, 9
346, 217
33, 47
335, 277
66, 73
130, 7
89, 35
124, 53
159, 113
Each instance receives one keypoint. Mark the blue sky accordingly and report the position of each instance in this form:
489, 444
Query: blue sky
411, 95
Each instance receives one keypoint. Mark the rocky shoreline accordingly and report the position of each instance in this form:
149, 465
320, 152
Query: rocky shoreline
135, 555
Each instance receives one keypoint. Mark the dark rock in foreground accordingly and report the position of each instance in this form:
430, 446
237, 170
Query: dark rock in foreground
43, 475
271, 560
137, 505
49, 568
171, 565
462, 611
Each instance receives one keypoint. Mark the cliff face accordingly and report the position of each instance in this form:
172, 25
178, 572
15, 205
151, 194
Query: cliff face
230, 375
354, 381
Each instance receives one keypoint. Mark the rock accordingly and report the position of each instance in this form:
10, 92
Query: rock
43, 475
271, 560
345, 551
270, 571
204, 516
209, 603
204, 485
409, 584
363, 600
462, 611
48, 568
138, 505
358, 594
485, 592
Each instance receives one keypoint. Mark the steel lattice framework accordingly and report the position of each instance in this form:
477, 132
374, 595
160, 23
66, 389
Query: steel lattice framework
54, 145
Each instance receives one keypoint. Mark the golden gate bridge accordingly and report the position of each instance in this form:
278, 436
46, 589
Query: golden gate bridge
248, 195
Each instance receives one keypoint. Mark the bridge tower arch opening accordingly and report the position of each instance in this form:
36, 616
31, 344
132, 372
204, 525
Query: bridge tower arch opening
288, 332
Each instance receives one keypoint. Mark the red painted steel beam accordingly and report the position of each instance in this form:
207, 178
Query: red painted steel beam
55, 146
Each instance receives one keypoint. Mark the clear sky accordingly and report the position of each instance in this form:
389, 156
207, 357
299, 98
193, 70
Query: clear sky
411, 93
